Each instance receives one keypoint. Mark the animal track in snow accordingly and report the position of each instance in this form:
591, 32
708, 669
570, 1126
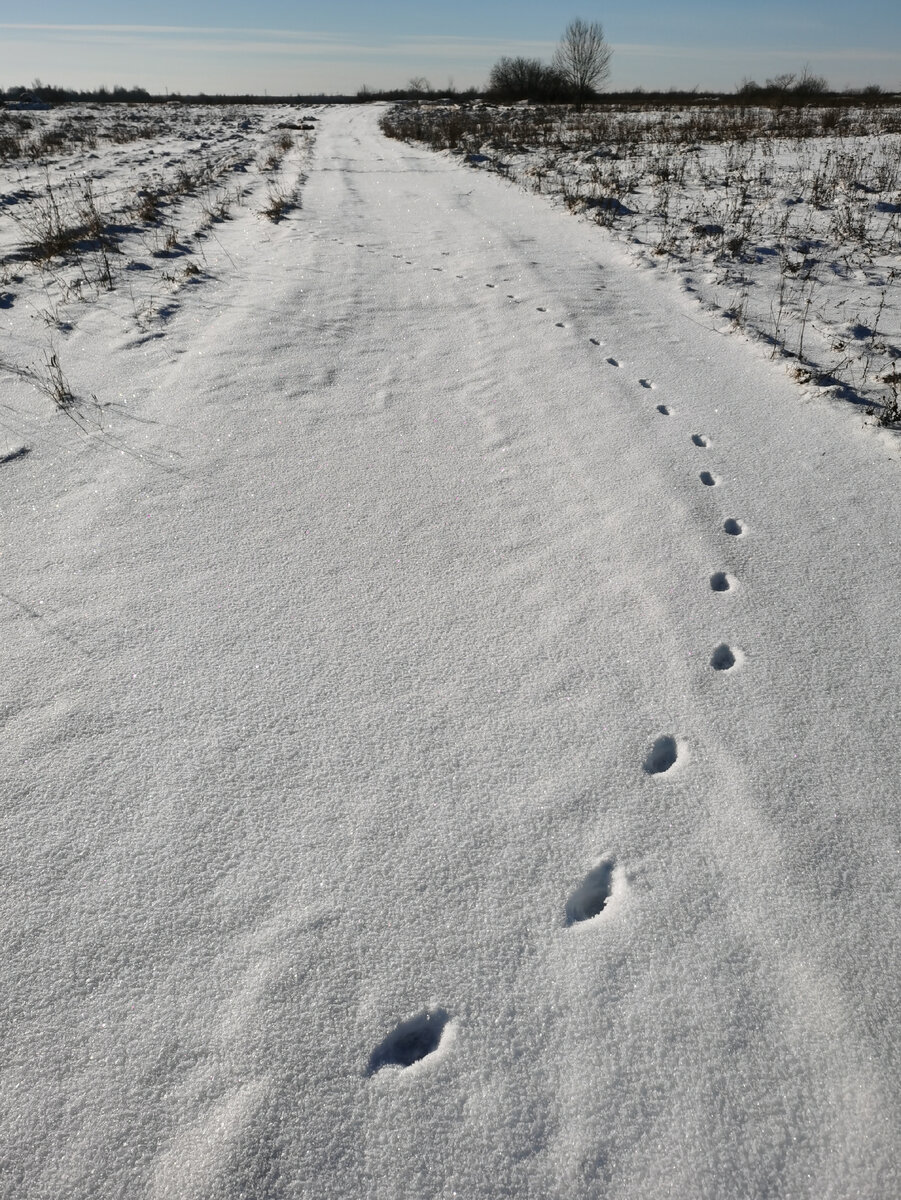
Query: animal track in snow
614, 362
721, 582
561, 325
724, 658
707, 479
594, 341
491, 285
732, 527
663, 756
590, 898
410, 1041
699, 439
646, 383
540, 309
664, 411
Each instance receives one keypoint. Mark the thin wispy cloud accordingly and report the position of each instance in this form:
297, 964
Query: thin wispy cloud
140, 33
162, 50
226, 57
714, 53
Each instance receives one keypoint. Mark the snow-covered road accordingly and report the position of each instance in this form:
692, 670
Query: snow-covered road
337, 699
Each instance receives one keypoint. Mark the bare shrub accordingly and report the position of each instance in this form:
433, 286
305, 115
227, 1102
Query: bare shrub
513, 79
890, 413
149, 205
48, 378
49, 225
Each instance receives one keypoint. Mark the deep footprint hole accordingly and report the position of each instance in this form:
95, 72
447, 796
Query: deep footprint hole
732, 527
662, 756
707, 479
663, 410
719, 581
411, 1041
699, 439
591, 896
723, 659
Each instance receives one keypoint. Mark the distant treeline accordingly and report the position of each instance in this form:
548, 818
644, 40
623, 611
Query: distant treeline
48, 93
783, 90
45, 93
756, 94
514, 80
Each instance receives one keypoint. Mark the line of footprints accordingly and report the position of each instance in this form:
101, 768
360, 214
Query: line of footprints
724, 657
421, 1035
415, 1039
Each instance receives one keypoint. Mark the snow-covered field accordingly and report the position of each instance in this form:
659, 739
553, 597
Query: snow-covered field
450, 704
119, 208
786, 222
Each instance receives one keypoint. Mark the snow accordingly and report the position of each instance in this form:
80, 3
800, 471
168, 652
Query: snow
782, 221
361, 626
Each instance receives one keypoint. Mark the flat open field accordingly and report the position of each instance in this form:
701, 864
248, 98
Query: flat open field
449, 728
784, 222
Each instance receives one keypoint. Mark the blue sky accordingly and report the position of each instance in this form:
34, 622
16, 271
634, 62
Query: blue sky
289, 46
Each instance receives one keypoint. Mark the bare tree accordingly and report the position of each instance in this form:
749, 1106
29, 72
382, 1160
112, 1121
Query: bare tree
583, 58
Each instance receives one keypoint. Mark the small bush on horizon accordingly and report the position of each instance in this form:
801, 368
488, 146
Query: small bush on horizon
514, 79
785, 88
